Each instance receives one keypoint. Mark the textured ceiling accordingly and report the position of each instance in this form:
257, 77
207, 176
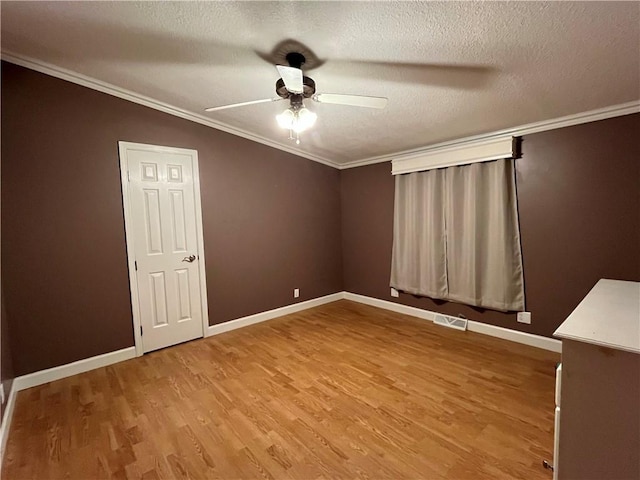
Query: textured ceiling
450, 69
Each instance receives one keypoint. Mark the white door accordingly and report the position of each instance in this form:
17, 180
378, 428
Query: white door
164, 241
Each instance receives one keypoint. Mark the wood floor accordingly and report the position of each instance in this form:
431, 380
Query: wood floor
339, 391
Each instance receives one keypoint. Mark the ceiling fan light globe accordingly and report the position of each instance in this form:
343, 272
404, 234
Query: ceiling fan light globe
286, 119
305, 119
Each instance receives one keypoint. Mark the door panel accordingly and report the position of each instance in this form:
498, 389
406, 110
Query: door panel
178, 221
164, 230
158, 300
184, 297
152, 221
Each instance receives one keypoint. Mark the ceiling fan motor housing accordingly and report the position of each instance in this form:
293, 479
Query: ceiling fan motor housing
308, 86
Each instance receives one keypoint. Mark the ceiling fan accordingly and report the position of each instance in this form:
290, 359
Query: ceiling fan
295, 87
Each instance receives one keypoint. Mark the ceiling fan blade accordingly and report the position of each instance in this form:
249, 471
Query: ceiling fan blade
353, 100
242, 104
466, 77
292, 78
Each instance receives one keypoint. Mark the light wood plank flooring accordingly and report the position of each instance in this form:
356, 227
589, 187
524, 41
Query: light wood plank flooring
339, 391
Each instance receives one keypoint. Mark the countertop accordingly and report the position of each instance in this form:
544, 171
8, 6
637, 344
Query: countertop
608, 316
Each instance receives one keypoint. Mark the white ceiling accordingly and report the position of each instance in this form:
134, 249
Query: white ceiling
449, 69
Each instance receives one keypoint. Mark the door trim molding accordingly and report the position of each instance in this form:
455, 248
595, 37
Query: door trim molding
5, 426
128, 224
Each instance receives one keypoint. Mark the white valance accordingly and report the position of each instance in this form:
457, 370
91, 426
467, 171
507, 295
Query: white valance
461, 154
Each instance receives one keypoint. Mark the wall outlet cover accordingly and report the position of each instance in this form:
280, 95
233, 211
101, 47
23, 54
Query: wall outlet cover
394, 292
296, 292
524, 317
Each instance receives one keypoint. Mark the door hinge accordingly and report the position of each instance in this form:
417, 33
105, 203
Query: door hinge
135, 263
128, 176
140, 330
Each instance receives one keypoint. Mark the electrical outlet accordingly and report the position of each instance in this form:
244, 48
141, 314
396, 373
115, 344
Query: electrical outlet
394, 292
296, 292
524, 317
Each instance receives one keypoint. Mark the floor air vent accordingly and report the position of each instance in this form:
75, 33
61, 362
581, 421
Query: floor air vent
451, 322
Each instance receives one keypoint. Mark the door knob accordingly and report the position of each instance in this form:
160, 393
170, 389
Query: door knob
189, 259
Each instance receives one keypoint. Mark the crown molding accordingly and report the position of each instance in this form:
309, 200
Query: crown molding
104, 87
134, 97
528, 129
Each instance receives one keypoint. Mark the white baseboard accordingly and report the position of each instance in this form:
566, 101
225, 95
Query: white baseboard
49, 375
56, 373
530, 339
81, 366
473, 326
394, 307
271, 314
6, 420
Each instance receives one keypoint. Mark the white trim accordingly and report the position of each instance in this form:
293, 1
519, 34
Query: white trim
522, 130
271, 314
530, 339
6, 420
473, 326
56, 373
131, 258
471, 152
128, 229
394, 307
204, 302
110, 89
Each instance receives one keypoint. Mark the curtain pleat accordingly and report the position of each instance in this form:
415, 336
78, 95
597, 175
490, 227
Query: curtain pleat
456, 235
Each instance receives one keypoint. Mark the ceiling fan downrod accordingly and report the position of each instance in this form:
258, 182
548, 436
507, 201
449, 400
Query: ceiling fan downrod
295, 59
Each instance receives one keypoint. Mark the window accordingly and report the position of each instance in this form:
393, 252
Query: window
456, 235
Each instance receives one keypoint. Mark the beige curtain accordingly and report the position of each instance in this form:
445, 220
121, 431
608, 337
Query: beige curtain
419, 250
484, 261
460, 238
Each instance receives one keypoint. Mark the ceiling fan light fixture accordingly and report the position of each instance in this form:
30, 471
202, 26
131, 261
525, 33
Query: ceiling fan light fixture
297, 120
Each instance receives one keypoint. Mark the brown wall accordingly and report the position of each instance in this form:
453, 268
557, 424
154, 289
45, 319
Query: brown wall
579, 205
271, 220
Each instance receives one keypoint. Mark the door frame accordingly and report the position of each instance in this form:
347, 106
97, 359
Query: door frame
128, 223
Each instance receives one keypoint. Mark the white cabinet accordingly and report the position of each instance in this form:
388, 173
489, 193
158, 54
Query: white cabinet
556, 423
598, 433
